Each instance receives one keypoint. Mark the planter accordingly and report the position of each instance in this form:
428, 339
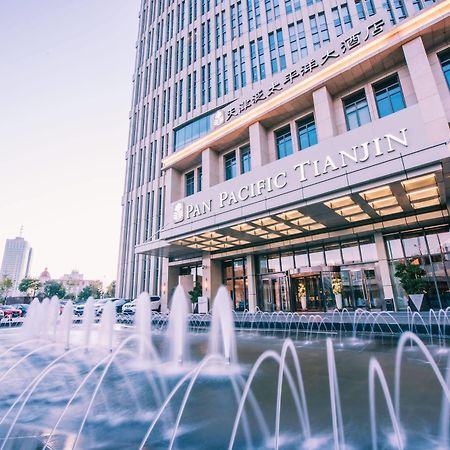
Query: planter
416, 300
303, 302
338, 298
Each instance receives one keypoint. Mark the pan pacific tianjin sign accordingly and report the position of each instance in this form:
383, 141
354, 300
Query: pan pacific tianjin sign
300, 173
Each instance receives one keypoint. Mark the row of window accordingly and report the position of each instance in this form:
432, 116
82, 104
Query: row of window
251, 9
389, 99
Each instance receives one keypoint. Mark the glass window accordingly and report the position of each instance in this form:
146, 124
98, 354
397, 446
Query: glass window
414, 246
283, 140
190, 183
230, 166
193, 130
350, 252
307, 135
389, 96
287, 261
263, 264
333, 255
262, 65
356, 110
273, 263
301, 259
444, 58
368, 251
246, 162
316, 257
395, 250
199, 179
337, 21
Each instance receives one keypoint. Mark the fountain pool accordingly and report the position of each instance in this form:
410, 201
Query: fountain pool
124, 389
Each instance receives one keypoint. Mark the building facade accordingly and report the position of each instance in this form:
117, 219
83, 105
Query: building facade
290, 150
16, 261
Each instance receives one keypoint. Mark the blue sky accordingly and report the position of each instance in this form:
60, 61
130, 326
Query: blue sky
65, 93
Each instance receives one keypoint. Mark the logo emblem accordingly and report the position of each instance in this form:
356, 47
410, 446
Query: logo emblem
178, 212
218, 118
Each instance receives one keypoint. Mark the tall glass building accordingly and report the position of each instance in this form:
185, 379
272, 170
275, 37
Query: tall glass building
281, 147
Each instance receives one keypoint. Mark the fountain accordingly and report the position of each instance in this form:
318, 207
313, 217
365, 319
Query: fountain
311, 390
177, 328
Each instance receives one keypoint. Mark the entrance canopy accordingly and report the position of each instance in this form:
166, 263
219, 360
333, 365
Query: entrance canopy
405, 197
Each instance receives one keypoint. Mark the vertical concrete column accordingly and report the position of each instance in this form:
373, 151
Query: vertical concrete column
386, 281
324, 114
212, 277
259, 148
210, 168
430, 103
251, 283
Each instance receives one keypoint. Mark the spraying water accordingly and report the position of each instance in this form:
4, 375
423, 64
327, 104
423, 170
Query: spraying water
177, 329
88, 320
223, 335
143, 320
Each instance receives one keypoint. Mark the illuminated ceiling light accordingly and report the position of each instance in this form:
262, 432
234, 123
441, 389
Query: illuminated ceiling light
316, 226
291, 231
278, 227
264, 222
210, 249
241, 242
358, 217
197, 246
339, 202
211, 235
242, 227
383, 203
388, 211
349, 210
290, 215
426, 203
303, 221
422, 194
419, 182
211, 242
224, 245
227, 239
376, 193
180, 242
194, 239
270, 236
257, 232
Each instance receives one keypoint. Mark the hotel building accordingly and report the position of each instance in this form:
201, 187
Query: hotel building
289, 150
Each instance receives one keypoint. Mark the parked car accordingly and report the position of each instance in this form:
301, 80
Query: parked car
22, 306
78, 309
99, 304
10, 312
155, 302
117, 302
2, 314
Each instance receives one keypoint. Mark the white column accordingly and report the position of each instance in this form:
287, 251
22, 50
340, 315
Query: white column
251, 283
383, 264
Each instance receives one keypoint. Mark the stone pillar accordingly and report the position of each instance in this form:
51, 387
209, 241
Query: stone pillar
251, 283
212, 277
388, 292
259, 148
210, 168
174, 186
324, 114
428, 98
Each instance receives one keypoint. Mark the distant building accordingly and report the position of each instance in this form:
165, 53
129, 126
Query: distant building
16, 260
45, 276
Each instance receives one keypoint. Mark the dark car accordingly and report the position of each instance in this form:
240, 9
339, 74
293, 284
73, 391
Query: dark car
117, 302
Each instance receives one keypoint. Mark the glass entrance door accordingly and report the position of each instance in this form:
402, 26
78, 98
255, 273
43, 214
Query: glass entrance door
310, 288
275, 294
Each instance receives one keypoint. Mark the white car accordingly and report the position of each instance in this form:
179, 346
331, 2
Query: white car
155, 302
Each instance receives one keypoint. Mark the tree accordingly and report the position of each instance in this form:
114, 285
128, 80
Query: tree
52, 288
411, 278
30, 286
111, 289
91, 290
196, 293
5, 285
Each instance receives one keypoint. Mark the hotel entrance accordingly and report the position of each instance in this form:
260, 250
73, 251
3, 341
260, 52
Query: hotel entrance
307, 292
